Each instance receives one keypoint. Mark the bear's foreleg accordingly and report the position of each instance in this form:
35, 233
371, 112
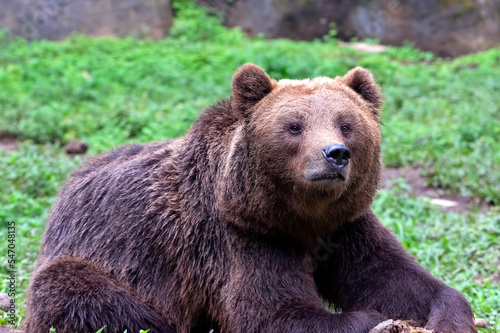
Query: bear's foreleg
367, 269
271, 289
75, 296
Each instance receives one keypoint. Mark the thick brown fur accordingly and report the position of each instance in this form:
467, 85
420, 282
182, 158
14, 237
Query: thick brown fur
219, 229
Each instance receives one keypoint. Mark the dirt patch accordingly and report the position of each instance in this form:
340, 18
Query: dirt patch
437, 196
8, 141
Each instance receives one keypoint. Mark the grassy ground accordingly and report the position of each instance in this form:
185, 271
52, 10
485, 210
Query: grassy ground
441, 116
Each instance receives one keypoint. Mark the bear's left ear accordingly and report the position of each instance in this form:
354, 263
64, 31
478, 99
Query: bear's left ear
250, 84
361, 81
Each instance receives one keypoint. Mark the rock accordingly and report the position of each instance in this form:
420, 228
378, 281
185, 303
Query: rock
4, 301
58, 19
446, 28
367, 48
481, 323
76, 147
397, 326
444, 202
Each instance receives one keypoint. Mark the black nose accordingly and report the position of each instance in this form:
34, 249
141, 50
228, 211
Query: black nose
337, 154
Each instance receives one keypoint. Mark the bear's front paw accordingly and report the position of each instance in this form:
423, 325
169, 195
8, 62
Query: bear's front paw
453, 327
451, 323
451, 313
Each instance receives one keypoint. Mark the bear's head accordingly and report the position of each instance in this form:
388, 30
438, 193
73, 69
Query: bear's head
316, 141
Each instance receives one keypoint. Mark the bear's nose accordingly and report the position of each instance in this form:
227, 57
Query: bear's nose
337, 154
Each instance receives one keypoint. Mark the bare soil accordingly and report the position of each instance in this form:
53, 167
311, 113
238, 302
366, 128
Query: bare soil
437, 196
8, 142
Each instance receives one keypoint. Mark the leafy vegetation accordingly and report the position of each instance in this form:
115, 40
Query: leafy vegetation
29, 181
460, 249
440, 115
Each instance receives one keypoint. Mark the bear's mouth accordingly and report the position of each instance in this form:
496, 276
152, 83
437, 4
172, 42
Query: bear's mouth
329, 176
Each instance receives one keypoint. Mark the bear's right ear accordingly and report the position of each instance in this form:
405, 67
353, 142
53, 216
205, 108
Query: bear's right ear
250, 84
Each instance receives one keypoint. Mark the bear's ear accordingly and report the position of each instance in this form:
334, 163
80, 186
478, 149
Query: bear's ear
250, 85
362, 82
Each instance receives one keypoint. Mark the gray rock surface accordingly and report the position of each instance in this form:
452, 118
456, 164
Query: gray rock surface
446, 28
58, 19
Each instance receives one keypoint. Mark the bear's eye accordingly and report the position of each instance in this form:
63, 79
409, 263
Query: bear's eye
345, 129
295, 128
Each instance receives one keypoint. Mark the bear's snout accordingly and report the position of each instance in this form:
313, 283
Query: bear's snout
337, 154
334, 170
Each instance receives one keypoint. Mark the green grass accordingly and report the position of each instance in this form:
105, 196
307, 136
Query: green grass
440, 115
29, 181
444, 115
460, 249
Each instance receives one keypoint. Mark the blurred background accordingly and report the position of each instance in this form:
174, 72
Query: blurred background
443, 27
78, 78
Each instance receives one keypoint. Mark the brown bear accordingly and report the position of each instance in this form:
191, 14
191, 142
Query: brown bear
218, 230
